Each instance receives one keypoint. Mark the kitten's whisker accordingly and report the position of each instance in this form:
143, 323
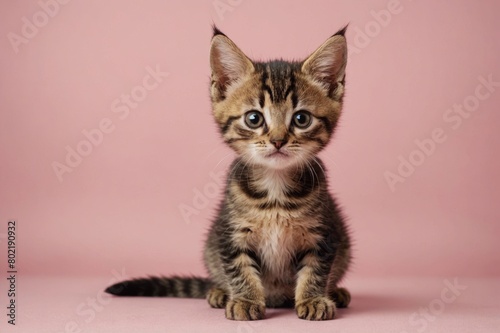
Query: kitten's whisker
211, 153
231, 154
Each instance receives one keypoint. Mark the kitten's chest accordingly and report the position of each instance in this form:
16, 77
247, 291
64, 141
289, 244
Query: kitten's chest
277, 239
274, 242
278, 226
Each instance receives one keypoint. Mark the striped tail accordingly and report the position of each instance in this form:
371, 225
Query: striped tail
175, 286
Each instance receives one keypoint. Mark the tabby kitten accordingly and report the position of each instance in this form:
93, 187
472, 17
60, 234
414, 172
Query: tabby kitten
279, 238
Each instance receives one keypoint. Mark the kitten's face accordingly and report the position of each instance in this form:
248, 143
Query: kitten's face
277, 114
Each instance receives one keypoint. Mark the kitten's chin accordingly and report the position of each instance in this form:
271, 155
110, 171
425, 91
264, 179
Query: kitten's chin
277, 160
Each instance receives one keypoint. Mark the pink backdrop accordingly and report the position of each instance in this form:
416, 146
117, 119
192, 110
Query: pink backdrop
415, 161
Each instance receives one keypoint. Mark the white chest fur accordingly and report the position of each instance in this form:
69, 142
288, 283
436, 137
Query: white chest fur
278, 233
275, 183
279, 237
276, 245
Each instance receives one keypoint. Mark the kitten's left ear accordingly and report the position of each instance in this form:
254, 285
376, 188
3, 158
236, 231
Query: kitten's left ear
327, 64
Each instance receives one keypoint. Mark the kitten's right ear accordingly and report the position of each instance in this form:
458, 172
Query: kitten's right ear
228, 64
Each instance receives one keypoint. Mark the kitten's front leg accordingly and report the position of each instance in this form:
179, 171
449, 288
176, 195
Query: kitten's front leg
311, 302
247, 297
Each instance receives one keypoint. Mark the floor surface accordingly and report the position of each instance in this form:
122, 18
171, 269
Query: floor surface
57, 305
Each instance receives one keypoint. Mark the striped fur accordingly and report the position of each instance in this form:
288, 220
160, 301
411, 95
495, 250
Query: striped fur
174, 286
279, 239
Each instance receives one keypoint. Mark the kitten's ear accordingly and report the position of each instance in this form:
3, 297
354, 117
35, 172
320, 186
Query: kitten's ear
327, 64
228, 63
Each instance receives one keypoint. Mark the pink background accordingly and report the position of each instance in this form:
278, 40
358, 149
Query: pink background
121, 207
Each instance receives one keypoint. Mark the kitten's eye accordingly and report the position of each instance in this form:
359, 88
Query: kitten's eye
254, 119
302, 119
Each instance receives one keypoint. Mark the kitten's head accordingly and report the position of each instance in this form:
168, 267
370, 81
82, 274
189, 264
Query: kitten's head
277, 114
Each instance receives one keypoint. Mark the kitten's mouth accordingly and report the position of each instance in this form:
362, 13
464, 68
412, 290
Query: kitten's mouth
278, 154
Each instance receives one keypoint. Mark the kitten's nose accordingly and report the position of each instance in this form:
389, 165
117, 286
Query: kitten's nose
278, 143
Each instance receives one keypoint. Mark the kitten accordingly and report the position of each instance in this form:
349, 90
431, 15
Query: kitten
279, 238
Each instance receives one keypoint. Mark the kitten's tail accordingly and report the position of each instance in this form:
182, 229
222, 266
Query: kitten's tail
175, 286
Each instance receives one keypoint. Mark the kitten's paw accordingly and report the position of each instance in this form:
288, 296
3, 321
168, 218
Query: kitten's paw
244, 310
341, 297
217, 298
317, 308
